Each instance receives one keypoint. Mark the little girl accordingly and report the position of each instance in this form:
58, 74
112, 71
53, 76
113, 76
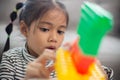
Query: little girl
43, 23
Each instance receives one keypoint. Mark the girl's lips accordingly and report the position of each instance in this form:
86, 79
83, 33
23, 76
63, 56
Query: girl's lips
51, 48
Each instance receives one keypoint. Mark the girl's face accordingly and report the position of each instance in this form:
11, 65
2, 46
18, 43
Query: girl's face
47, 33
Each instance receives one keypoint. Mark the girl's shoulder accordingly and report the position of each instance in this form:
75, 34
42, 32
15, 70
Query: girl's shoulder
12, 55
14, 52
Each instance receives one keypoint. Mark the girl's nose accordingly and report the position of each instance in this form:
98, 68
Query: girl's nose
53, 37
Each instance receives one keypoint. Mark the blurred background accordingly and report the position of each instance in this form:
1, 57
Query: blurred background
109, 51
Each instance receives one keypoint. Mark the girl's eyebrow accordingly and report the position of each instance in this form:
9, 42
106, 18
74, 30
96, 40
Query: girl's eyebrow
48, 23
45, 22
63, 26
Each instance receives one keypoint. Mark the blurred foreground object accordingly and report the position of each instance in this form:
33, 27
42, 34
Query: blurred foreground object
66, 69
79, 63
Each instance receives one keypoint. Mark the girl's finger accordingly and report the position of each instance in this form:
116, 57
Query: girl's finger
39, 70
47, 55
51, 68
67, 45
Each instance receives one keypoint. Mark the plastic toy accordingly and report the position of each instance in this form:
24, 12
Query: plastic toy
79, 63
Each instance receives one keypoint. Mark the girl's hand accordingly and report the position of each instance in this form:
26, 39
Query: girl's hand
38, 69
67, 45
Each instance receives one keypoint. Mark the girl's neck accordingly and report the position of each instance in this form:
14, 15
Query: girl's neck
30, 51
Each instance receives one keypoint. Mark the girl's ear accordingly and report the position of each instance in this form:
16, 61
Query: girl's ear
23, 28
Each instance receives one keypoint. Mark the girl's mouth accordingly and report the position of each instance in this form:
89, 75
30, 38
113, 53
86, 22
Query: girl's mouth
51, 48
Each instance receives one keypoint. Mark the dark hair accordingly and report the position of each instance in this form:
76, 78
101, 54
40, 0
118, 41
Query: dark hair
35, 9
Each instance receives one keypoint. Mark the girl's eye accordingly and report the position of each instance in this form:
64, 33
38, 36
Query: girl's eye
44, 29
60, 32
